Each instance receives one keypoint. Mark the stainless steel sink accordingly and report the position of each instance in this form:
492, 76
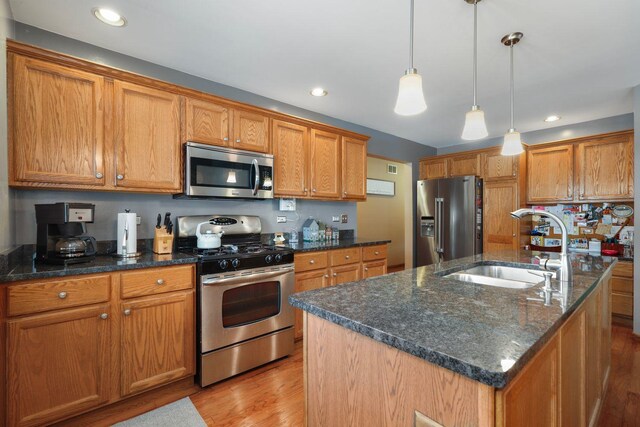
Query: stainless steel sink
501, 276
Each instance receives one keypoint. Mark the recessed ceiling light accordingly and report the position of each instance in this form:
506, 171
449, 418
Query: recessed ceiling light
109, 17
552, 118
318, 91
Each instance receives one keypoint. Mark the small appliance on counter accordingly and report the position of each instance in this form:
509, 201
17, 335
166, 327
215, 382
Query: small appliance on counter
126, 238
59, 233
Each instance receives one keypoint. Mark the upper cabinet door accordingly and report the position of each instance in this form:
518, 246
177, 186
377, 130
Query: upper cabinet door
464, 165
56, 116
550, 174
433, 168
147, 138
325, 164
500, 229
290, 150
206, 122
354, 169
495, 166
605, 168
250, 131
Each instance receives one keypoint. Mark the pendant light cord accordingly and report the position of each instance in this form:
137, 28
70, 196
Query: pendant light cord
511, 81
411, 36
475, 53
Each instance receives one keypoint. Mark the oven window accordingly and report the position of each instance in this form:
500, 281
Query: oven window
218, 173
250, 303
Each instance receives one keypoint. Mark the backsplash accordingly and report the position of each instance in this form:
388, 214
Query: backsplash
148, 206
584, 222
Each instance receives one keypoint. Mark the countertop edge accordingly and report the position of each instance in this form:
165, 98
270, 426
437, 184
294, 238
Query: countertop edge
340, 244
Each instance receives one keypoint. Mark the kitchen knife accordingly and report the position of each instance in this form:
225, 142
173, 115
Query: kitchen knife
170, 228
159, 221
167, 219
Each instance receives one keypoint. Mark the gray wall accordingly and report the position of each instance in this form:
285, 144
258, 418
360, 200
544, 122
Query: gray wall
593, 127
7, 235
636, 202
108, 204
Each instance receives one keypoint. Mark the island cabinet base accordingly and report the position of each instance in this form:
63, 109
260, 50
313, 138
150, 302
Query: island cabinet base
354, 380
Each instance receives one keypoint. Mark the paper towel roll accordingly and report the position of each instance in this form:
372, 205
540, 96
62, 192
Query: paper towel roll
127, 234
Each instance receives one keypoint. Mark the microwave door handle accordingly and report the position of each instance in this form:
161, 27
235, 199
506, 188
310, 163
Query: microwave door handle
256, 170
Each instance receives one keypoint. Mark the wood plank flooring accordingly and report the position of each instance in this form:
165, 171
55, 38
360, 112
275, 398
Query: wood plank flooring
274, 395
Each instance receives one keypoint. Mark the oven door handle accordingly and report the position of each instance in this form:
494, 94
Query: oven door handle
248, 277
256, 169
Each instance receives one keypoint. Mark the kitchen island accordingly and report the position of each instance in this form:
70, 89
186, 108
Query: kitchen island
417, 347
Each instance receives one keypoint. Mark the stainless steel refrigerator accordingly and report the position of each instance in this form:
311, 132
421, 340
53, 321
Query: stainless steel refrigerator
449, 219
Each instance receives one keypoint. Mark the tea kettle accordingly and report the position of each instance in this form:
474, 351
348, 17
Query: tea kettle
209, 239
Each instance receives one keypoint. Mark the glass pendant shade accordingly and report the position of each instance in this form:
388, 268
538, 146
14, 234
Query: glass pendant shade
410, 96
474, 125
512, 143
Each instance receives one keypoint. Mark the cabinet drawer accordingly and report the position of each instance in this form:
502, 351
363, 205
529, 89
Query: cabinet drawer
370, 253
622, 304
344, 256
310, 261
153, 281
622, 284
56, 294
623, 269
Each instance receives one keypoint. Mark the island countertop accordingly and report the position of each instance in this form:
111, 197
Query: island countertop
486, 333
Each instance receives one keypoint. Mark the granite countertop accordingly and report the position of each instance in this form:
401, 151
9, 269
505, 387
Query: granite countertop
334, 244
19, 264
484, 332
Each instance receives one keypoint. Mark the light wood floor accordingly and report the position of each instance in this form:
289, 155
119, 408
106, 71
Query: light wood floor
273, 395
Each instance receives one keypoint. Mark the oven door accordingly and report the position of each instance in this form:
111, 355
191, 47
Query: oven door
243, 305
221, 172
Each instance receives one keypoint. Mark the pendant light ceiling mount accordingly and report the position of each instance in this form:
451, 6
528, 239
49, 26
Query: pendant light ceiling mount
512, 144
511, 39
475, 127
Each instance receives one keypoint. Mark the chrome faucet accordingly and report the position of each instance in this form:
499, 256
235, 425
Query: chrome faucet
564, 264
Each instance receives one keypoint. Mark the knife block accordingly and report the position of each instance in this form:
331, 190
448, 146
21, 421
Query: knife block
162, 241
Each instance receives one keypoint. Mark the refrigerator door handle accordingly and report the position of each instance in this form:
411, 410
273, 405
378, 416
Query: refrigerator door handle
438, 225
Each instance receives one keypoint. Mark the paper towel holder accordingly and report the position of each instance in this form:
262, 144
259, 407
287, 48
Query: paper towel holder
123, 239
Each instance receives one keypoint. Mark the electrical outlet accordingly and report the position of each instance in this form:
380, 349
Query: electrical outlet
345, 218
280, 219
138, 220
335, 218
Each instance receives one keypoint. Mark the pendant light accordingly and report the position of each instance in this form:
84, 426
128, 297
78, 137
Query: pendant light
474, 125
410, 96
512, 144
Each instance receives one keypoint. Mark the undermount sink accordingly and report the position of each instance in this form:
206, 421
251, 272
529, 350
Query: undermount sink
501, 276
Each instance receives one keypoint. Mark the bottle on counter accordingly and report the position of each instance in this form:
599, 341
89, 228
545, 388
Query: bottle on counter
328, 234
336, 234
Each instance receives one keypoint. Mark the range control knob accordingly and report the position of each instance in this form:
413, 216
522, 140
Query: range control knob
278, 257
235, 263
223, 264
268, 259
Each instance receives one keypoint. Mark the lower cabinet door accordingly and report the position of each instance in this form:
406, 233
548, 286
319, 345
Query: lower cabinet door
374, 268
58, 364
345, 273
307, 281
158, 341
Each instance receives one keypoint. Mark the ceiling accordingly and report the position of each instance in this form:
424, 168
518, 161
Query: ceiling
578, 59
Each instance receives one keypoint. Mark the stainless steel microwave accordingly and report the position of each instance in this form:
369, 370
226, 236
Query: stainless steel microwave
223, 172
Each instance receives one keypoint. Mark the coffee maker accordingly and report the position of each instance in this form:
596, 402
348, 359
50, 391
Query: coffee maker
60, 229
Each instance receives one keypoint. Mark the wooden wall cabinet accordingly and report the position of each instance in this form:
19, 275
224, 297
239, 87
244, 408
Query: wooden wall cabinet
147, 138
290, 158
500, 229
250, 131
64, 359
56, 119
206, 122
464, 165
325, 165
495, 166
354, 169
604, 168
434, 168
550, 174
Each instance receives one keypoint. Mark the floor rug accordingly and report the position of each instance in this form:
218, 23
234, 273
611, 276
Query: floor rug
181, 413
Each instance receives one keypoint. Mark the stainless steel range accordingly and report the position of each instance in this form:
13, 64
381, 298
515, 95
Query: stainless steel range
244, 319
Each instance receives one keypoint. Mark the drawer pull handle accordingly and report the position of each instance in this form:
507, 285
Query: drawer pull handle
127, 312
347, 257
160, 282
62, 295
377, 252
104, 316
313, 261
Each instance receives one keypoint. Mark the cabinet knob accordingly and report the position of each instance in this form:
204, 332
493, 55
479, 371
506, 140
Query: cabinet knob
160, 282
514, 235
326, 276
120, 177
306, 189
335, 274
347, 257
366, 269
377, 252
104, 316
314, 190
127, 312
313, 261
225, 138
237, 140
62, 295
99, 175
345, 193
